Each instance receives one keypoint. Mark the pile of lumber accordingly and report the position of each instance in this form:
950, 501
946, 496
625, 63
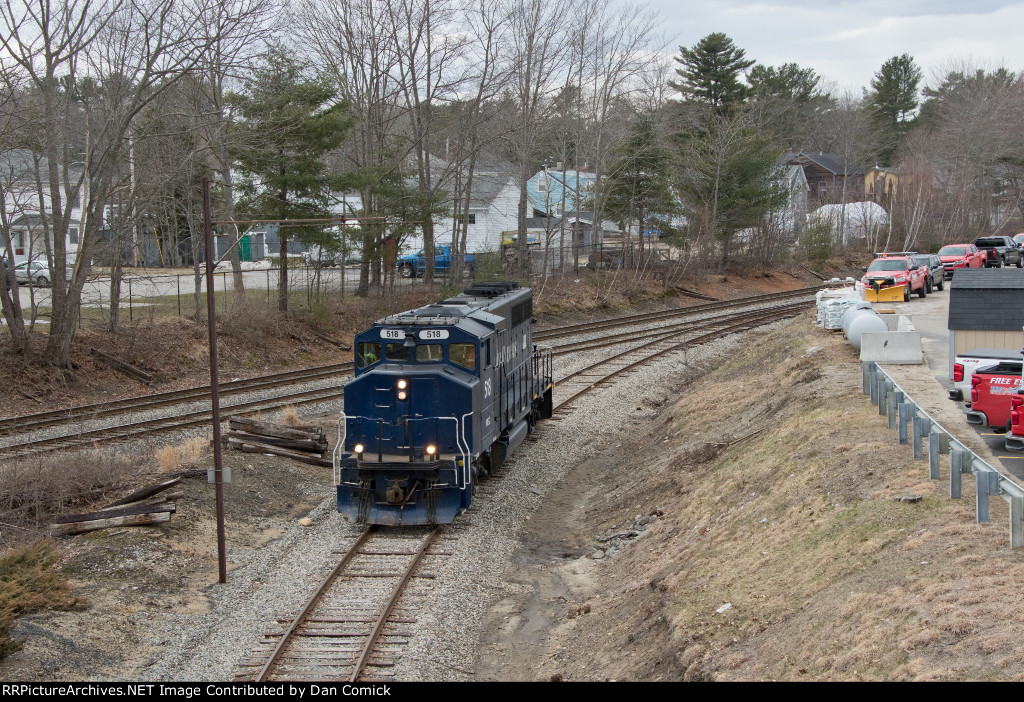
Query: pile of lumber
301, 442
137, 509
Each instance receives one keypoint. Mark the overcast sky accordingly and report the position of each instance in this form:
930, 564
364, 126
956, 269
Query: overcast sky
847, 42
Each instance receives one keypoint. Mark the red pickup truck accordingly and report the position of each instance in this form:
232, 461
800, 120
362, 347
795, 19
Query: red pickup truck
960, 256
891, 278
992, 388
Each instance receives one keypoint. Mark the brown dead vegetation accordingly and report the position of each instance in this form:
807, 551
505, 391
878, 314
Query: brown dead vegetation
783, 556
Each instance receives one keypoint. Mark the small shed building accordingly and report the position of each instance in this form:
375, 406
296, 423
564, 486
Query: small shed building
986, 310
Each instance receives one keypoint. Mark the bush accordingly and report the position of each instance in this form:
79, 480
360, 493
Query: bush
36, 489
816, 241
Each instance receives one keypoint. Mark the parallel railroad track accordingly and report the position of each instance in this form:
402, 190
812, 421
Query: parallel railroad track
129, 427
586, 380
354, 620
146, 403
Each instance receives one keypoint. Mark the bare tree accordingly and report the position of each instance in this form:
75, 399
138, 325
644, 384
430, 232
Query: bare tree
100, 64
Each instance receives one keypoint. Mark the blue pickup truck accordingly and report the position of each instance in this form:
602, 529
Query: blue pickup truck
414, 265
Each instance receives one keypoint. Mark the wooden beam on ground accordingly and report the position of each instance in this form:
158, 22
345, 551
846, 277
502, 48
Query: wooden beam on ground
315, 445
129, 370
329, 340
145, 492
694, 293
252, 447
73, 528
280, 431
130, 510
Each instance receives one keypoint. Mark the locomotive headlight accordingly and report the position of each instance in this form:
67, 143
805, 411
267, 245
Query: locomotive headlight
359, 448
431, 450
402, 395
402, 384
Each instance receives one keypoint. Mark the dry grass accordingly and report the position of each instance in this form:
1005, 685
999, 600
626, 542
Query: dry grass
290, 416
828, 577
36, 489
174, 457
29, 581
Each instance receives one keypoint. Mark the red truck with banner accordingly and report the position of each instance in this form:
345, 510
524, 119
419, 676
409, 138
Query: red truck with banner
992, 388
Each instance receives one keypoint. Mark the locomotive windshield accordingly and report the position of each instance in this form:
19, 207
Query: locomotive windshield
367, 353
396, 352
463, 355
429, 353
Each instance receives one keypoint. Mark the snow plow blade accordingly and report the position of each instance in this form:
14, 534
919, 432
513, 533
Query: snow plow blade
893, 294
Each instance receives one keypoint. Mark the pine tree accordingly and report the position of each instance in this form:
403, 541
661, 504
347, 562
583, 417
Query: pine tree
639, 187
289, 121
893, 98
712, 72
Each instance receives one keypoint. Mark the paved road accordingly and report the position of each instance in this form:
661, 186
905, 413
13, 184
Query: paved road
96, 292
930, 317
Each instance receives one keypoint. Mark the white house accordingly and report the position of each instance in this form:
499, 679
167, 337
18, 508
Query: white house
493, 209
18, 179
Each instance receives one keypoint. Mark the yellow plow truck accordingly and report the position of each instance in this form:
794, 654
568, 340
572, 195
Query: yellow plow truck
892, 278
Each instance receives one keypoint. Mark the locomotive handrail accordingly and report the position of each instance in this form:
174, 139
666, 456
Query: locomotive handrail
336, 454
464, 446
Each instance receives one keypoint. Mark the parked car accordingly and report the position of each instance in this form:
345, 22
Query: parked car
415, 264
32, 273
966, 363
999, 251
991, 390
936, 279
957, 256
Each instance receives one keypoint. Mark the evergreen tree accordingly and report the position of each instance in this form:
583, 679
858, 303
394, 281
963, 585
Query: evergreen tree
790, 101
639, 186
712, 72
289, 121
893, 98
729, 179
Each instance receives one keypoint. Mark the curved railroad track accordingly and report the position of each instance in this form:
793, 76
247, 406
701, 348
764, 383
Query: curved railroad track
354, 620
582, 382
23, 442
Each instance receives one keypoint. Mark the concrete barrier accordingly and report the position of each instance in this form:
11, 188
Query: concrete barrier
901, 344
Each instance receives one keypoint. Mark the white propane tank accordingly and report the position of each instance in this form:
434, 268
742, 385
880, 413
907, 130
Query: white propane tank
864, 323
862, 307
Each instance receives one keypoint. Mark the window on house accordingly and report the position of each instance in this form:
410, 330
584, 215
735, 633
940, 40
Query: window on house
470, 218
73, 235
542, 186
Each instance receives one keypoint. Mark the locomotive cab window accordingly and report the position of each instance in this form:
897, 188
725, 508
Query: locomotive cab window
463, 355
367, 353
396, 352
429, 353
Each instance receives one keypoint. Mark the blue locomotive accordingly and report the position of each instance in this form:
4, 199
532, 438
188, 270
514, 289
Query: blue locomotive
441, 396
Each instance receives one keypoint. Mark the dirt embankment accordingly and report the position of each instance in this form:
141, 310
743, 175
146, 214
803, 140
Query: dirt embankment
753, 533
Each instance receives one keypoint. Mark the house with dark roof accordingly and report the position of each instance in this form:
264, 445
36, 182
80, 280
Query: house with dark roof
826, 173
986, 310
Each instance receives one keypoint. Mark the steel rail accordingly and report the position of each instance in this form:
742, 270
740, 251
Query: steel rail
768, 317
313, 601
371, 640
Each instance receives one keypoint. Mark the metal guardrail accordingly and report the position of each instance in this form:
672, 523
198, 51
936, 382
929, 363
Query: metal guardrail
914, 424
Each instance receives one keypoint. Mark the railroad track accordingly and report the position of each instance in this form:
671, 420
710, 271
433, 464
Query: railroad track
146, 403
355, 620
129, 427
585, 380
